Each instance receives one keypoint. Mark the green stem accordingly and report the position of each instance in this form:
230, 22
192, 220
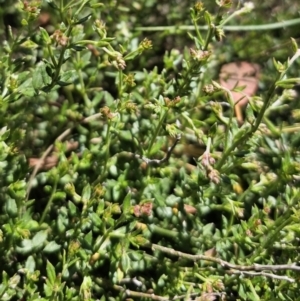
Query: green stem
236, 13
279, 224
60, 61
196, 28
270, 26
163, 232
120, 86
47, 208
261, 114
82, 86
208, 37
52, 56
157, 130
254, 297
107, 144
61, 9
252, 130
108, 232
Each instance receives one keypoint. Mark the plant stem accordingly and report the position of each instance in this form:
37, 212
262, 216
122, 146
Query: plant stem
279, 225
252, 130
157, 130
270, 26
50, 201
199, 36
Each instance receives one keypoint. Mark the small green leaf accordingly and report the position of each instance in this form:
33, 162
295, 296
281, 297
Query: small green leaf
32, 225
95, 219
27, 247
68, 76
77, 47
136, 255
72, 209
119, 274
11, 207
294, 45
86, 194
29, 44
213, 130
52, 4
39, 239
125, 262
82, 20
4, 133
51, 275
26, 88
52, 247
127, 203
288, 83
96, 5
30, 264
3, 288
61, 223
45, 36
40, 77
88, 240
279, 66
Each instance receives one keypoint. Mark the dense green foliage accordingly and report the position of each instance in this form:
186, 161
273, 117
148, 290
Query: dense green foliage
124, 172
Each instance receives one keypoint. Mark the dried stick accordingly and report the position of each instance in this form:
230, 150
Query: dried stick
277, 277
226, 264
42, 159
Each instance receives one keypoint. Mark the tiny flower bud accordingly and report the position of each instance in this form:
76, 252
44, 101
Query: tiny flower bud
200, 55
219, 34
208, 89
199, 7
145, 44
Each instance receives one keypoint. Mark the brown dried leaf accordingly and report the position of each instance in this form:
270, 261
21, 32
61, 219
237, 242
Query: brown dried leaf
239, 74
48, 163
190, 209
52, 160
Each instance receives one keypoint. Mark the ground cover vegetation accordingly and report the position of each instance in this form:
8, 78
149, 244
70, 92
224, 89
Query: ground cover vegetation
149, 150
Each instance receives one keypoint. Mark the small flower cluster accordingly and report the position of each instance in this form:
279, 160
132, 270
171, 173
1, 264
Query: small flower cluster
145, 45
105, 111
131, 107
207, 161
200, 55
32, 8
129, 80
143, 209
60, 38
199, 7
224, 3
116, 58
170, 103
119, 62
100, 27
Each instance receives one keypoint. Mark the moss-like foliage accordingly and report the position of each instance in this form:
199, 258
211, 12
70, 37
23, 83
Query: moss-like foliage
124, 170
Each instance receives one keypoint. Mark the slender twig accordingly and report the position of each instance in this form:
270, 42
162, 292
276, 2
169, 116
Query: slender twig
154, 162
42, 159
61, 137
130, 293
203, 295
269, 275
157, 130
270, 26
226, 264
165, 159
49, 203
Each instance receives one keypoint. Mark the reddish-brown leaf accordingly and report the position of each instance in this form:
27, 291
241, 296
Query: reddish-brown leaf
239, 74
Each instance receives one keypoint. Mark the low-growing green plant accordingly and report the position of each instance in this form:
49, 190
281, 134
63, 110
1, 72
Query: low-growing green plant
101, 197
